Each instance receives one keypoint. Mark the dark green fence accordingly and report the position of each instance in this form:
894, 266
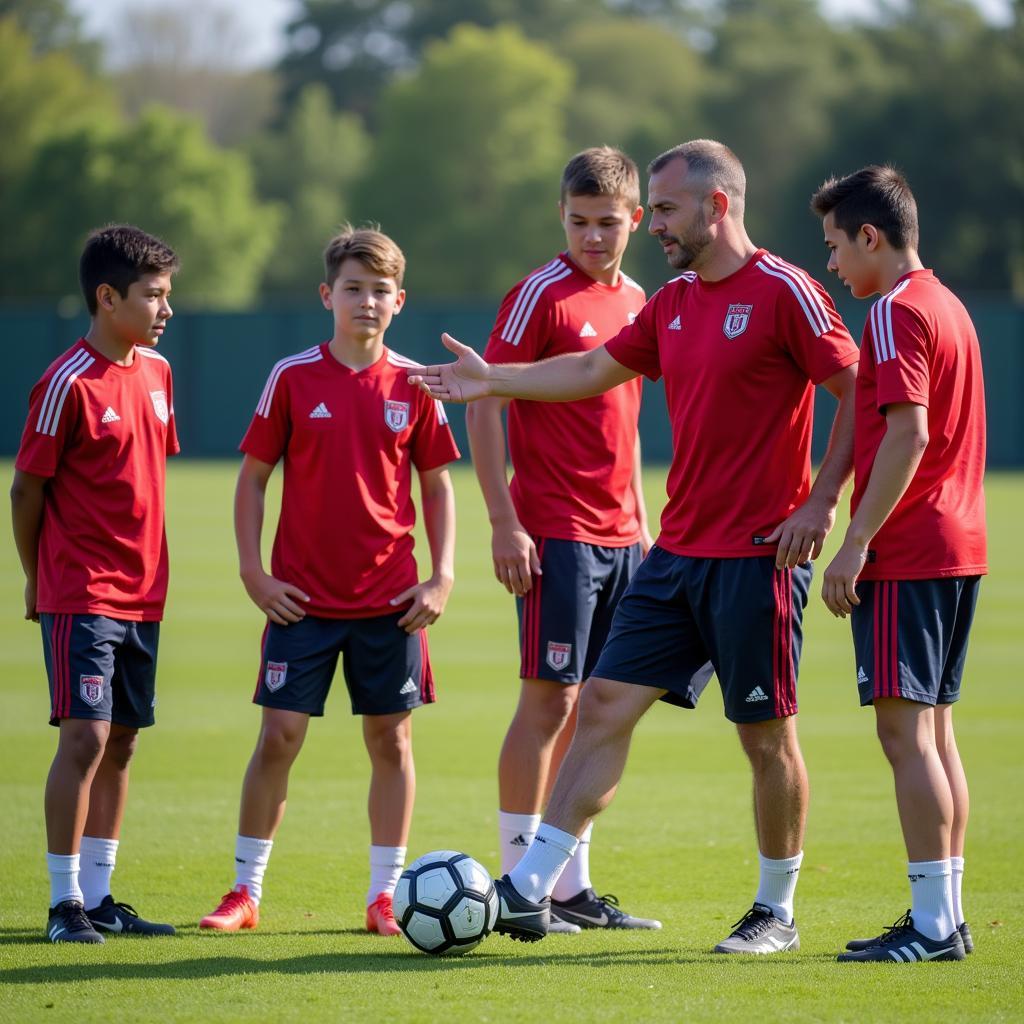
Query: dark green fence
221, 361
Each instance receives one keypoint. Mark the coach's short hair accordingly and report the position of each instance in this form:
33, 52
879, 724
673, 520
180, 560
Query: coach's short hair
602, 171
118, 255
375, 250
877, 194
714, 163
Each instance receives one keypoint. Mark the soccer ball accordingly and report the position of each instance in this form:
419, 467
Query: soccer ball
445, 903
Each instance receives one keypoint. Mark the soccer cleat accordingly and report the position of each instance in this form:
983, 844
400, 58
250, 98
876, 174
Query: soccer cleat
760, 931
556, 926
380, 917
519, 918
68, 923
122, 919
965, 938
903, 943
237, 910
856, 945
588, 910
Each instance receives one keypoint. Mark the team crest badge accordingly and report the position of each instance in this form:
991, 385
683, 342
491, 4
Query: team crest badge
558, 655
159, 399
91, 689
736, 319
277, 673
396, 415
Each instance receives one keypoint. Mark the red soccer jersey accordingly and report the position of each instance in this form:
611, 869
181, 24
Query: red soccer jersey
739, 357
349, 441
572, 461
101, 434
920, 346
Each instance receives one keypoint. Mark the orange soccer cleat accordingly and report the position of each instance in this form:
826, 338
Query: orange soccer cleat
237, 910
380, 918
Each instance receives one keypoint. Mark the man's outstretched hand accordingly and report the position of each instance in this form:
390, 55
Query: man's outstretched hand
465, 380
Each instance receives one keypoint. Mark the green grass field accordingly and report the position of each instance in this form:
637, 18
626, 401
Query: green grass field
676, 844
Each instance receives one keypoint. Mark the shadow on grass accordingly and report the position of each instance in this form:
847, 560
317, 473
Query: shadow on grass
376, 963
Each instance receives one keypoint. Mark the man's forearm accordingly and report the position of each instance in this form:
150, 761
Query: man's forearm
560, 379
487, 447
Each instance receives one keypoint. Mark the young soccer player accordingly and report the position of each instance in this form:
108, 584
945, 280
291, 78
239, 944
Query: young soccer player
88, 515
740, 337
571, 529
343, 581
909, 567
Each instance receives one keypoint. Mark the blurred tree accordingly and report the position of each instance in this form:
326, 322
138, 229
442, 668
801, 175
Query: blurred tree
159, 172
308, 168
52, 25
466, 167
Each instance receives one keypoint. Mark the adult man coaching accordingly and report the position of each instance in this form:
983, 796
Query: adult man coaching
740, 337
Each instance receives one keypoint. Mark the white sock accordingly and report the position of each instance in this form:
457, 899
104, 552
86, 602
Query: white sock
63, 878
97, 865
535, 875
251, 858
777, 884
516, 832
576, 876
386, 863
957, 865
931, 897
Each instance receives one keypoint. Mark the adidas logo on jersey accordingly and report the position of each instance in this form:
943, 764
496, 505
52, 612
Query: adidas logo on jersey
110, 416
520, 840
321, 412
756, 694
862, 676
410, 686
587, 330
676, 325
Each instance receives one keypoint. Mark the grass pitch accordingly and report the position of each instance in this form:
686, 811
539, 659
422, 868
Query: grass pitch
677, 843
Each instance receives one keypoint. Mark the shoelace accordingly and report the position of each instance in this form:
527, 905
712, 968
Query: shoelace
752, 923
896, 929
610, 904
229, 901
126, 908
75, 919
385, 909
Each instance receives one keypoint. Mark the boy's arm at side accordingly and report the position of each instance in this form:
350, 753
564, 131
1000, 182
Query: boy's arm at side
28, 494
512, 549
280, 601
637, 486
429, 598
896, 462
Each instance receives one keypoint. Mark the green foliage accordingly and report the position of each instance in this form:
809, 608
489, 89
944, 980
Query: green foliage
308, 169
467, 161
53, 25
159, 172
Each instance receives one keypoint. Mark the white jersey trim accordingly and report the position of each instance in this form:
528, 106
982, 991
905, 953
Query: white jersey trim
150, 354
57, 391
311, 355
397, 359
799, 284
633, 284
526, 301
882, 338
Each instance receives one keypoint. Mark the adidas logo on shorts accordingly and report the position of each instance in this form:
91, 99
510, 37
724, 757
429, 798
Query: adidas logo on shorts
756, 694
409, 687
862, 676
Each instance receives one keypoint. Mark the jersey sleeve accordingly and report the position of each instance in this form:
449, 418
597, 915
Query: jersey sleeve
432, 441
811, 329
53, 411
173, 446
523, 326
267, 436
902, 345
636, 345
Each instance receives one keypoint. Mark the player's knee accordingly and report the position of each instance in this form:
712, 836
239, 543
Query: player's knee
390, 746
898, 742
120, 748
82, 745
770, 744
278, 742
553, 707
601, 708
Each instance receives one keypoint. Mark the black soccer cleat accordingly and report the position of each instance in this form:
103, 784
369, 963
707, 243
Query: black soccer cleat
965, 938
123, 919
519, 918
760, 931
68, 923
903, 943
856, 945
588, 910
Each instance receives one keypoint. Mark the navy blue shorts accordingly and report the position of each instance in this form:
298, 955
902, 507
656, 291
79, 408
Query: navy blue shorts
910, 637
565, 618
100, 668
682, 618
386, 669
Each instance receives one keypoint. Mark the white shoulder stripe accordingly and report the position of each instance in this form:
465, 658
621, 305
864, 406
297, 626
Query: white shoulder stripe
882, 336
397, 359
149, 353
632, 283
686, 275
311, 355
442, 416
57, 391
526, 301
810, 302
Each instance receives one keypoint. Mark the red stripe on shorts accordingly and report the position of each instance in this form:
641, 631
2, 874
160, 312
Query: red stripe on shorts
784, 683
894, 659
877, 642
426, 672
532, 622
64, 657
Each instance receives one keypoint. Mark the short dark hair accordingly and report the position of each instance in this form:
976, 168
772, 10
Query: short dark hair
712, 162
602, 171
375, 250
119, 255
877, 194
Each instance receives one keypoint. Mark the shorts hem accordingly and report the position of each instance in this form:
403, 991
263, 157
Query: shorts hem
552, 678
316, 712
917, 697
394, 711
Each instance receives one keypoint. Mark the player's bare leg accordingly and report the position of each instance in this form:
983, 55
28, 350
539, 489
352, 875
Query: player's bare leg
265, 788
109, 791
66, 802
388, 741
